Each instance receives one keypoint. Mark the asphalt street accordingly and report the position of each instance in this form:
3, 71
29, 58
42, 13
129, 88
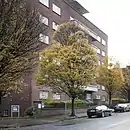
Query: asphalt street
118, 121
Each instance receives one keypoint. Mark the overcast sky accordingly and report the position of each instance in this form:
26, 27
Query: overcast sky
113, 17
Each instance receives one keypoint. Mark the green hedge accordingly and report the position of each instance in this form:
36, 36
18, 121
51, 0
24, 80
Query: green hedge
78, 104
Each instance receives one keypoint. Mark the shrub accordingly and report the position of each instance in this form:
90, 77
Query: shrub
29, 111
78, 104
48, 101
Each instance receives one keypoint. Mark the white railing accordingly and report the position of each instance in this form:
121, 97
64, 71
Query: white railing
92, 88
86, 29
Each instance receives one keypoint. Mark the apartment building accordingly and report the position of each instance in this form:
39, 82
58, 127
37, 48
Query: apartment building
52, 14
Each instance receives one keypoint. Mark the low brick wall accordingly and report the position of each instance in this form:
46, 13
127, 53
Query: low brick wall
56, 112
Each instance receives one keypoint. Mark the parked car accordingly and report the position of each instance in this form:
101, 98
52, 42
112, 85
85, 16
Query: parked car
122, 107
99, 111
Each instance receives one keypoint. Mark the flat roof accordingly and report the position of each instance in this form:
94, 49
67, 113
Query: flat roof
77, 6
71, 1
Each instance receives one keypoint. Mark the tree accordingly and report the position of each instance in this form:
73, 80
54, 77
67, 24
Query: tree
125, 90
68, 67
66, 32
110, 75
19, 45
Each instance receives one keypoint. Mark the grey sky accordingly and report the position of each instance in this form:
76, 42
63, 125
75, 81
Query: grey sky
112, 16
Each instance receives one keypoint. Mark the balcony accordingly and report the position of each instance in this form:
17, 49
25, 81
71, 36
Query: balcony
77, 6
87, 30
91, 88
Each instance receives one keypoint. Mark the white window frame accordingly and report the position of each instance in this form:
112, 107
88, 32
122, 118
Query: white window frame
71, 18
44, 38
43, 94
43, 19
103, 98
56, 9
103, 53
89, 96
44, 2
103, 88
55, 25
99, 38
56, 96
98, 97
98, 51
104, 42
6, 112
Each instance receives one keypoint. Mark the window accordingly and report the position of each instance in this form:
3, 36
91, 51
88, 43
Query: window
44, 2
98, 50
98, 38
103, 42
5, 112
103, 98
56, 9
103, 88
103, 53
55, 25
98, 97
43, 19
43, 94
44, 38
98, 86
88, 96
71, 18
56, 96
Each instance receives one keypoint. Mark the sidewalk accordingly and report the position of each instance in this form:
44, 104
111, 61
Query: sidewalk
15, 123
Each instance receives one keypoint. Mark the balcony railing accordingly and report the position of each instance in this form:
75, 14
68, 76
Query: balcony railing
77, 6
92, 88
87, 30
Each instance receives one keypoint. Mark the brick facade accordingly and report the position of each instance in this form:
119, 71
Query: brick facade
31, 91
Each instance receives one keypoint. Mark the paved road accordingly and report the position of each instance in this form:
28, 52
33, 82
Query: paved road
120, 121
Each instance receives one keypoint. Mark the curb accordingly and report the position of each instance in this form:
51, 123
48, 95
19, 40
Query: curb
50, 122
27, 125
72, 118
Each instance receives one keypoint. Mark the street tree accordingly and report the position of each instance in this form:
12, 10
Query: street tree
125, 90
68, 68
19, 45
111, 77
66, 32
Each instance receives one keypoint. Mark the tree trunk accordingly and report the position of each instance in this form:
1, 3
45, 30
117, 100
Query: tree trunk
72, 107
110, 98
128, 95
0, 104
0, 99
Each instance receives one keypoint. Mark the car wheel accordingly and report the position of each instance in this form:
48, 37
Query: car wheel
123, 110
103, 114
110, 114
89, 116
